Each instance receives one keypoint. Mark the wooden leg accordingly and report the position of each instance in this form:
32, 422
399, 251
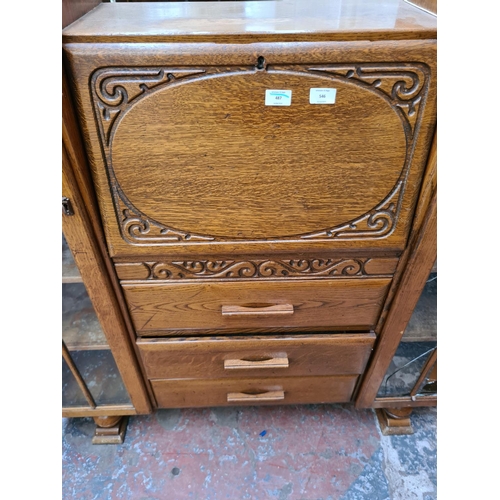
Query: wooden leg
394, 421
110, 430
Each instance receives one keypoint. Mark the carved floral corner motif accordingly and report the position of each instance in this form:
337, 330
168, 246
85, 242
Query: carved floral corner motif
405, 85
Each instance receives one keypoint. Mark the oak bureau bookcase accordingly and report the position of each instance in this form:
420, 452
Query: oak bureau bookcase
261, 170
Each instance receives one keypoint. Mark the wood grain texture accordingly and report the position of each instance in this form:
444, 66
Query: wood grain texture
240, 268
242, 397
81, 185
338, 354
302, 218
254, 171
101, 411
298, 390
285, 20
405, 401
422, 256
157, 308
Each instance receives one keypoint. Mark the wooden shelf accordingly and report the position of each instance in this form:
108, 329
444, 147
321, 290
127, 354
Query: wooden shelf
99, 371
423, 323
70, 273
81, 330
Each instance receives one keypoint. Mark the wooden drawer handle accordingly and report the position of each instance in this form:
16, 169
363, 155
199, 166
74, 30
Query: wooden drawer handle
245, 364
258, 310
239, 397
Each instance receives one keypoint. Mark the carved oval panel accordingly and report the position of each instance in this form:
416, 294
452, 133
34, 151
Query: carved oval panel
208, 156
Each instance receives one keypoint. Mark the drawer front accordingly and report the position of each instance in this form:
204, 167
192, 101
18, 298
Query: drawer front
184, 308
188, 158
230, 357
253, 391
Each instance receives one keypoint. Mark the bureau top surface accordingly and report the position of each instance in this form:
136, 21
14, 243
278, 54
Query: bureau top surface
253, 21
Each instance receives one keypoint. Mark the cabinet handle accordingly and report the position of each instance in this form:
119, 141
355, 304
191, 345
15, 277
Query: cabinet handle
239, 364
241, 397
258, 310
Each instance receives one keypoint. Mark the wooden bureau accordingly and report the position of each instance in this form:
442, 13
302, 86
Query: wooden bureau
262, 175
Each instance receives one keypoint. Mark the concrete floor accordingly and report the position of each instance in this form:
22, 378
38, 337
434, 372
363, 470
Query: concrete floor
327, 452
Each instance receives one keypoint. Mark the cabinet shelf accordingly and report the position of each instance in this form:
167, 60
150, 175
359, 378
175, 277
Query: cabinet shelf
70, 273
81, 330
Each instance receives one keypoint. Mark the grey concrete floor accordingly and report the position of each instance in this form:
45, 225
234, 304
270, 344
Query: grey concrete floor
310, 452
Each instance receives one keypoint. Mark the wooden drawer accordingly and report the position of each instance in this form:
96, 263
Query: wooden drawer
253, 391
184, 308
276, 356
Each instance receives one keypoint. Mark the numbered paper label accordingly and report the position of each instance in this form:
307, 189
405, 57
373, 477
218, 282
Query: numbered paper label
278, 97
322, 96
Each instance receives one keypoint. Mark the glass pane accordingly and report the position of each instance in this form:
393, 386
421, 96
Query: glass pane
80, 326
100, 373
405, 368
423, 322
72, 395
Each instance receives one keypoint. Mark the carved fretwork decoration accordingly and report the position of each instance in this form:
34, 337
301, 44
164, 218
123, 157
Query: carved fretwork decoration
404, 87
114, 90
231, 269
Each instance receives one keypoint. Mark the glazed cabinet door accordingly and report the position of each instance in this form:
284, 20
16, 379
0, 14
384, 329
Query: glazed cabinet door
211, 149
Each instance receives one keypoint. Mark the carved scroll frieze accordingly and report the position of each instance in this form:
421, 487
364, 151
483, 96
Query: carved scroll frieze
115, 90
259, 269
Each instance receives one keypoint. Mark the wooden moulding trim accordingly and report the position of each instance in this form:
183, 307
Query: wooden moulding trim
416, 272
405, 402
81, 239
100, 411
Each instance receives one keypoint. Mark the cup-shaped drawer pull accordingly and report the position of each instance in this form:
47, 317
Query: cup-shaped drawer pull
249, 364
258, 310
241, 397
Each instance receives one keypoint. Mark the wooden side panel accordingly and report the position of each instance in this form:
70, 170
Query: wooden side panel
80, 236
208, 358
297, 390
190, 307
420, 262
